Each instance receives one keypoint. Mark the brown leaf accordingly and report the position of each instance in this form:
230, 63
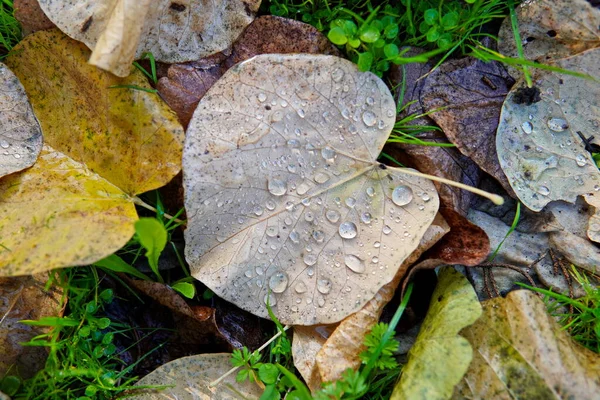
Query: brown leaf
187, 83
31, 16
24, 298
520, 352
471, 93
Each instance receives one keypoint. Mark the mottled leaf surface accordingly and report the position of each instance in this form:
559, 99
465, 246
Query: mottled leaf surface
20, 132
120, 31
440, 356
520, 352
129, 137
191, 377
58, 213
539, 146
284, 195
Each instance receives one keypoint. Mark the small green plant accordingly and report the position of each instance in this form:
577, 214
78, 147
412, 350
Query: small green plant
151, 75
10, 29
82, 362
583, 323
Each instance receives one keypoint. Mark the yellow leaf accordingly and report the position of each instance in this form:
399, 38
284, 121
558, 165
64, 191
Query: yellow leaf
440, 357
58, 213
129, 137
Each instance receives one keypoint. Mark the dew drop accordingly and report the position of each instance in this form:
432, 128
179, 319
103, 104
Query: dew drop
370, 101
262, 97
354, 263
310, 259
272, 231
324, 286
370, 191
4, 144
305, 201
300, 287
543, 190
293, 143
321, 301
278, 282
386, 229
580, 160
369, 118
319, 236
321, 177
276, 187
527, 127
294, 236
337, 75
328, 153
402, 195
270, 205
377, 245
17, 155
258, 210
332, 216
347, 230
271, 300
308, 216
375, 260
366, 217
557, 124
346, 113
301, 113
351, 202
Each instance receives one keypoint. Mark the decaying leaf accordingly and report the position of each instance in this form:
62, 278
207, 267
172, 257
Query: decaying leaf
30, 16
120, 31
467, 96
24, 298
285, 199
185, 84
440, 356
551, 29
344, 345
127, 136
539, 145
58, 213
20, 132
74, 206
191, 377
520, 352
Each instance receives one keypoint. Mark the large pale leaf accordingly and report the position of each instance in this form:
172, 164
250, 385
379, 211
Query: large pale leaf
121, 30
540, 151
58, 213
440, 356
129, 137
520, 352
191, 377
20, 132
284, 194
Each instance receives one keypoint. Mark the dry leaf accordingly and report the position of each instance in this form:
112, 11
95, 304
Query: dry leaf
186, 83
284, 194
24, 298
120, 31
306, 344
30, 16
20, 132
539, 147
74, 206
467, 96
440, 356
520, 352
551, 29
191, 376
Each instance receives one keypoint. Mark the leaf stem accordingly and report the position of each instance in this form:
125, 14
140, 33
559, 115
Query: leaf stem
142, 203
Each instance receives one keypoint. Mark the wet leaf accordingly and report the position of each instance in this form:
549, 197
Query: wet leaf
520, 352
31, 16
24, 298
467, 96
74, 206
284, 194
191, 376
20, 132
186, 83
120, 31
551, 29
58, 213
539, 147
129, 137
440, 356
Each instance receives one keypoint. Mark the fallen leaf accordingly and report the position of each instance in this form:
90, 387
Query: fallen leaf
186, 83
30, 16
24, 298
120, 31
344, 345
20, 132
284, 195
191, 377
75, 205
550, 30
539, 147
520, 352
129, 137
440, 356
465, 97
306, 344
